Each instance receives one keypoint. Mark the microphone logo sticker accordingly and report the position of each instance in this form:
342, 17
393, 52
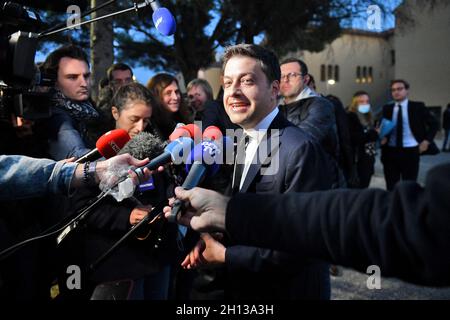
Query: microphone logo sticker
114, 146
158, 22
210, 152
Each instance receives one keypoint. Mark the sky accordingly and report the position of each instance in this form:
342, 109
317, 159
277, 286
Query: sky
143, 74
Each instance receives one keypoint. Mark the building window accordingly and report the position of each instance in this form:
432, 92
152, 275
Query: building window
358, 74
322, 73
336, 73
392, 57
369, 76
330, 72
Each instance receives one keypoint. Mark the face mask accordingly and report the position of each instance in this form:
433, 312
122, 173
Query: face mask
364, 108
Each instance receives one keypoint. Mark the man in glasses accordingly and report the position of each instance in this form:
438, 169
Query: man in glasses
415, 127
305, 108
119, 74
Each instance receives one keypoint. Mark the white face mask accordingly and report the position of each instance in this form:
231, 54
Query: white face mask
364, 108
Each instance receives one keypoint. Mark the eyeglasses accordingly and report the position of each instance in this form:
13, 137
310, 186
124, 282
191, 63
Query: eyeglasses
397, 89
289, 76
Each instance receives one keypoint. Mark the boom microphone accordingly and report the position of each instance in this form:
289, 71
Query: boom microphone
108, 145
163, 20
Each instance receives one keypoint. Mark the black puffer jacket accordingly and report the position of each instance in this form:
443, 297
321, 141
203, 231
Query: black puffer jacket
316, 116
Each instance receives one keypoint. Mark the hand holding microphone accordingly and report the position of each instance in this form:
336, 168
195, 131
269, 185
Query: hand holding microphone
204, 161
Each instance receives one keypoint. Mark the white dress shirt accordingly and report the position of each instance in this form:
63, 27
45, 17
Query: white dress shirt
408, 138
256, 135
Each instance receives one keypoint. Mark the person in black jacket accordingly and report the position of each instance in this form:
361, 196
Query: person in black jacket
277, 157
414, 131
363, 138
141, 259
406, 232
446, 127
305, 108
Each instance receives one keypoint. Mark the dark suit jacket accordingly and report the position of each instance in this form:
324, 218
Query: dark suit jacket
267, 274
422, 123
405, 232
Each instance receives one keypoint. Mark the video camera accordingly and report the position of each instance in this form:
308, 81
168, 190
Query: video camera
22, 84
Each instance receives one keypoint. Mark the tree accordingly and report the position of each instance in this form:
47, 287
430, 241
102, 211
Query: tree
204, 26
102, 51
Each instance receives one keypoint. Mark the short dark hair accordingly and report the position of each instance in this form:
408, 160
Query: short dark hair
405, 83
132, 92
360, 93
115, 67
303, 66
51, 63
268, 59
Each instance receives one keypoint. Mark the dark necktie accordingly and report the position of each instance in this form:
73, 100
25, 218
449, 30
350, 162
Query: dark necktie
239, 163
399, 128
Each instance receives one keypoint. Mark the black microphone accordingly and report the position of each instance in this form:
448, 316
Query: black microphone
175, 152
205, 159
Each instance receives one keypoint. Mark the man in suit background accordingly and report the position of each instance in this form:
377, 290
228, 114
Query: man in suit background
414, 131
293, 161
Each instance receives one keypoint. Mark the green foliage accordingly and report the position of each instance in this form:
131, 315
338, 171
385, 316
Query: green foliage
204, 26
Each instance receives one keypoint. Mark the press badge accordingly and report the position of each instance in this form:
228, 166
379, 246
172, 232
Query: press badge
148, 185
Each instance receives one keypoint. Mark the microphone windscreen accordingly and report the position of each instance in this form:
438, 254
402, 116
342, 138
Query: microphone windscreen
144, 145
109, 144
194, 131
179, 132
212, 133
164, 21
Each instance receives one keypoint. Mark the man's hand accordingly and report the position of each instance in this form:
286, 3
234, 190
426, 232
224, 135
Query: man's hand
207, 251
423, 146
139, 213
118, 163
206, 211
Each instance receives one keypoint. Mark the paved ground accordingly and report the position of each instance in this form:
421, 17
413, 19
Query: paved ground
352, 285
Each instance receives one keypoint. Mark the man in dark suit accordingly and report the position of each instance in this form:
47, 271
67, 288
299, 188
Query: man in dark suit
405, 232
277, 157
414, 130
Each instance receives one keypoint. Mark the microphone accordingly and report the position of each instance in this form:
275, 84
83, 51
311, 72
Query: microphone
204, 161
212, 133
108, 145
191, 130
144, 145
163, 20
179, 132
175, 152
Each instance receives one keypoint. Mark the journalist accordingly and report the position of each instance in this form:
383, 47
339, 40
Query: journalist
24, 177
406, 232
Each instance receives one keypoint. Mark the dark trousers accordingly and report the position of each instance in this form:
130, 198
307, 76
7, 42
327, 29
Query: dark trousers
400, 164
446, 138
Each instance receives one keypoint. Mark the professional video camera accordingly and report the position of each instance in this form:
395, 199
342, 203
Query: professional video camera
22, 85
21, 82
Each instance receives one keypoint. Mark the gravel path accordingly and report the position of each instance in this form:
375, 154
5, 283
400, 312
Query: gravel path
352, 285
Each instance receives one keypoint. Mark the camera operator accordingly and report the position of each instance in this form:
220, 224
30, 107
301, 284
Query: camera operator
65, 131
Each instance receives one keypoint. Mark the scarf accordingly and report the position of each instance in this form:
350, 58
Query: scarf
78, 110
